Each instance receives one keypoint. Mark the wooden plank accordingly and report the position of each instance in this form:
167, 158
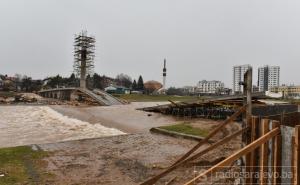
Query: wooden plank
248, 168
173, 103
297, 156
254, 154
265, 138
277, 160
276, 156
293, 159
263, 180
194, 157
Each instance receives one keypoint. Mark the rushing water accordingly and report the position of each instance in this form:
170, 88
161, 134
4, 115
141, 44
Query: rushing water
23, 125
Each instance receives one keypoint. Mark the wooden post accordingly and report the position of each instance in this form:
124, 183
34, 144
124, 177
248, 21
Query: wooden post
249, 96
297, 156
293, 159
247, 135
254, 154
276, 159
263, 180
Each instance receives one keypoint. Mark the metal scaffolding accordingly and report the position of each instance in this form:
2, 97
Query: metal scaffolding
84, 54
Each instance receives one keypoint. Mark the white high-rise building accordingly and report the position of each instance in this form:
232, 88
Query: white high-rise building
262, 82
274, 76
268, 77
238, 76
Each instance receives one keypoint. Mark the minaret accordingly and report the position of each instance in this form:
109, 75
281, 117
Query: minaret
164, 74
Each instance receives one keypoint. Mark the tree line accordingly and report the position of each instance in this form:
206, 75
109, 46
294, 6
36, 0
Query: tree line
20, 83
96, 81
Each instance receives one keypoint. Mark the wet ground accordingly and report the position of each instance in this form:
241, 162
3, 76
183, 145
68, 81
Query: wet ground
123, 117
126, 160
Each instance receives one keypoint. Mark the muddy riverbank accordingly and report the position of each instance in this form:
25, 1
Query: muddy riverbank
123, 117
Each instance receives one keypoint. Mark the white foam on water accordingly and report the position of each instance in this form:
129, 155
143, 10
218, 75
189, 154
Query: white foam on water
23, 125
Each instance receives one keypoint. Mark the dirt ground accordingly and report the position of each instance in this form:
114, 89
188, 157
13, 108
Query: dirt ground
127, 159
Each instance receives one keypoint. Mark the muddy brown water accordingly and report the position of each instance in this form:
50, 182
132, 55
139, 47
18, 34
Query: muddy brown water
26, 124
123, 117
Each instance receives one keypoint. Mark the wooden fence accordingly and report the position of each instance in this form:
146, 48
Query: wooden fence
264, 156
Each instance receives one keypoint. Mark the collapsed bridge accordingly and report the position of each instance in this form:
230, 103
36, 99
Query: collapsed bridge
96, 97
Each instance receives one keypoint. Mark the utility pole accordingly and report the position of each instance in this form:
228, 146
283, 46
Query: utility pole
248, 90
247, 121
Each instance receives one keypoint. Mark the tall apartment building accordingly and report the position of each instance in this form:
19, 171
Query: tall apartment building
268, 77
209, 87
238, 76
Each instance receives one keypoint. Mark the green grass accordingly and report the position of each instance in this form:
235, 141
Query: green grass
154, 98
186, 128
18, 164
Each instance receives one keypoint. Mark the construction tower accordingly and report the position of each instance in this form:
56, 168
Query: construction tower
84, 54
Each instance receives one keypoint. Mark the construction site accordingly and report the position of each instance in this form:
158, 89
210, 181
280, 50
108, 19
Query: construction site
237, 139
250, 135
154, 93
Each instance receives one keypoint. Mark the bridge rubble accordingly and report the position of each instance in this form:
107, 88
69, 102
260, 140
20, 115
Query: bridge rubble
222, 107
96, 97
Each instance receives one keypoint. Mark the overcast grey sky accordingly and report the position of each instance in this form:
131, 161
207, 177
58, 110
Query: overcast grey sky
201, 39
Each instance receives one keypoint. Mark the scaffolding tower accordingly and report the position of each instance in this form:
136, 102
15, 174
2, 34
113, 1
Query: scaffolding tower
84, 54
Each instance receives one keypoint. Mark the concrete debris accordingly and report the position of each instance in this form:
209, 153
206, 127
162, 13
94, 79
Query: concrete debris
27, 97
6, 100
95, 97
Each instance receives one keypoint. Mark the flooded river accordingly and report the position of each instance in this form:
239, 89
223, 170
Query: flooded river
23, 125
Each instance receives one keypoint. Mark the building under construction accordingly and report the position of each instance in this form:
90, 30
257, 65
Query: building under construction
84, 54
